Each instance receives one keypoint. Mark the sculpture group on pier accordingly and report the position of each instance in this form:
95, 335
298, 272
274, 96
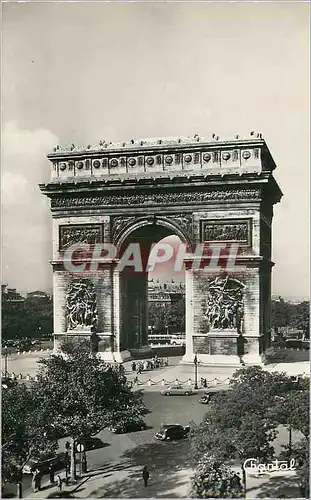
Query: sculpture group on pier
225, 304
81, 305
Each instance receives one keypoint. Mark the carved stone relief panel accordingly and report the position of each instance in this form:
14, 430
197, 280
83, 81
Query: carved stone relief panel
86, 233
118, 224
184, 222
226, 230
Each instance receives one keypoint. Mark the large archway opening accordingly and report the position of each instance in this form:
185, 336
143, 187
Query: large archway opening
166, 299
151, 298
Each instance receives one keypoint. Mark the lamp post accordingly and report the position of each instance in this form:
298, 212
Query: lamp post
195, 371
5, 360
290, 444
39, 334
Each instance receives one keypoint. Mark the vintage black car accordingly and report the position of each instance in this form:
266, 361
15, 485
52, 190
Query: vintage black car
212, 392
129, 426
205, 399
44, 462
172, 431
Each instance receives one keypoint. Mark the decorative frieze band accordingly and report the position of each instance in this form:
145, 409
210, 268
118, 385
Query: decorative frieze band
155, 162
155, 198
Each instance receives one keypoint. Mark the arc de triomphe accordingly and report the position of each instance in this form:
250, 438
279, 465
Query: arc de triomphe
204, 191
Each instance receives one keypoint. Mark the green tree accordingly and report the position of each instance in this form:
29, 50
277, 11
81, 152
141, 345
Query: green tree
293, 410
163, 314
301, 318
213, 479
23, 434
30, 318
239, 424
280, 313
81, 394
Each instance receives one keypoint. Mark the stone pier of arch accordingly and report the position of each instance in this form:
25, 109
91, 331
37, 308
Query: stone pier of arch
203, 191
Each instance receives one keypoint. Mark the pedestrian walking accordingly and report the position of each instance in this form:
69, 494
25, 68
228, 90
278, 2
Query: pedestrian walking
39, 477
36, 480
241, 341
59, 483
146, 475
133, 366
235, 481
51, 474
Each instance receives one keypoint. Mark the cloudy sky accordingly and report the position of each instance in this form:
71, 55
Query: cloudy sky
81, 72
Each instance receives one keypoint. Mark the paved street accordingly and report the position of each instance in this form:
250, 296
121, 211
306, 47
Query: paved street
115, 469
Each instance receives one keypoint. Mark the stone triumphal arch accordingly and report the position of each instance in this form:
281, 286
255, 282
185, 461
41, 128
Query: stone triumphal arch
204, 191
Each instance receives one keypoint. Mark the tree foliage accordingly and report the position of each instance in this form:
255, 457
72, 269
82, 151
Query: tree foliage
292, 410
81, 394
242, 423
23, 435
213, 479
31, 318
171, 314
293, 315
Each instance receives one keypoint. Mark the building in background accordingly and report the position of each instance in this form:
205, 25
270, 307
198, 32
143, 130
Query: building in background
38, 295
166, 293
11, 295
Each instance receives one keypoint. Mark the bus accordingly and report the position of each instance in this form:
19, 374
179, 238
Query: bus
157, 339
167, 339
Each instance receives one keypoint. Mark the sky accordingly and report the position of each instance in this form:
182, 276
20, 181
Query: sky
83, 72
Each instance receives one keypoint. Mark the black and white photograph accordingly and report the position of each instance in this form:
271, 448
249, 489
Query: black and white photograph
155, 249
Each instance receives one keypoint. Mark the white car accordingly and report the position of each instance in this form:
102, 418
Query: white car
178, 390
177, 340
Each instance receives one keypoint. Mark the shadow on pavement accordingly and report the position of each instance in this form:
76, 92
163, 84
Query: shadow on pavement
277, 487
166, 462
61, 494
108, 469
161, 455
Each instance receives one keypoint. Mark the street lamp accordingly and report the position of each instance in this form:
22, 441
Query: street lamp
195, 371
39, 334
5, 360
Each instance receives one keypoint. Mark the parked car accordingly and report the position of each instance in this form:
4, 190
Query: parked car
91, 443
172, 431
7, 382
178, 390
212, 391
43, 462
129, 426
205, 399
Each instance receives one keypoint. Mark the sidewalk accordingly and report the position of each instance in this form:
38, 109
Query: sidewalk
214, 375
120, 480
28, 364
117, 480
